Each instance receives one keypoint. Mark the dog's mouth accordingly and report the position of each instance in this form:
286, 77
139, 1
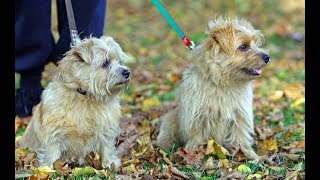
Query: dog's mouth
252, 71
123, 82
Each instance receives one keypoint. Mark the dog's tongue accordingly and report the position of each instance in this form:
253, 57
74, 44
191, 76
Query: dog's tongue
258, 71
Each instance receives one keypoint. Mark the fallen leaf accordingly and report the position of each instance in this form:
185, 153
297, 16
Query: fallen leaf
175, 171
129, 142
298, 102
209, 165
294, 174
150, 102
210, 148
254, 176
191, 157
288, 135
18, 123
225, 163
94, 160
43, 172
130, 169
61, 167
276, 95
214, 148
266, 146
22, 152
244, 169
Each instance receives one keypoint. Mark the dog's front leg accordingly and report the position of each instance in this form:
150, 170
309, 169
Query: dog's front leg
48, 155
244, 138
194, 140
109, 153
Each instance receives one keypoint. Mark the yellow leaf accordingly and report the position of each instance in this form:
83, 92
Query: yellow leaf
220, 153
214, 148
210, 148
150, 102
43, 172
130, 169
276, 95
21, 152
298, 102
225, 163
266, 146
293, 91
81, 171
256, 176
244, 169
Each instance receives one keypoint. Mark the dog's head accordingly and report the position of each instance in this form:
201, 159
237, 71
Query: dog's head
233, 47
95, 65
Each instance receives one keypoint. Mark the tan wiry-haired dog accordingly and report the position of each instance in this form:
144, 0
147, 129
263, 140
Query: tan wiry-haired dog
215, 98
79, 110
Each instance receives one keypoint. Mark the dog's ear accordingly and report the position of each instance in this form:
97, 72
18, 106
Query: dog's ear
83, 51
222, 34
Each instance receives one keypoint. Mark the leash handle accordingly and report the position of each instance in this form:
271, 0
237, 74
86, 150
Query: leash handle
188, 43
72, 23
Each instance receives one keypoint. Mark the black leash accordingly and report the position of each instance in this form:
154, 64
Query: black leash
72, 23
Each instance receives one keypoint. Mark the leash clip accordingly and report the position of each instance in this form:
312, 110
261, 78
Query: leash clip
191, 46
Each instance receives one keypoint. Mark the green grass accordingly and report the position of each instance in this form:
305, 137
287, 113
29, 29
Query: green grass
20, 131
173, 149
289, 117
146, 168
254, 167
188, 171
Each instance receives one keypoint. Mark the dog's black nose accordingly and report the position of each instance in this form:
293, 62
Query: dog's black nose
266, 58
126, 73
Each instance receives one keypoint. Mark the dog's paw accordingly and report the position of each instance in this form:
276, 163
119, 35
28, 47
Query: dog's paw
115, 160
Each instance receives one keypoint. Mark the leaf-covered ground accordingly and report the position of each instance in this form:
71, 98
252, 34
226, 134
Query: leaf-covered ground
157, 59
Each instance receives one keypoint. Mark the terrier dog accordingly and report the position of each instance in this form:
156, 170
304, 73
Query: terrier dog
79, 111
215, 98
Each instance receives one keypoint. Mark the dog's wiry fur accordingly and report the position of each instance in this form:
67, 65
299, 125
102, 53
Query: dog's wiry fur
69, 125
215, 97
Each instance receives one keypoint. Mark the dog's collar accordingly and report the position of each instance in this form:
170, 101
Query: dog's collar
81, 91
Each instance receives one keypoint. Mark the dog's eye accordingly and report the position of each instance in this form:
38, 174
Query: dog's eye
244, 47
106, 64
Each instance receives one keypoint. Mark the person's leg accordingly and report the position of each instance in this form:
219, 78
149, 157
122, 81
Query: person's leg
33, 45
89, 17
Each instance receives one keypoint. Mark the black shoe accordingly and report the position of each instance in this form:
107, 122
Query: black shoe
26, 99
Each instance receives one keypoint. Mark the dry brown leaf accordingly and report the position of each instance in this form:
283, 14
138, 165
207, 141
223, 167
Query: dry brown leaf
30, 159
209, 165
293, 91
18, 123
288, 135
127, 144
126, 160
94, 160
294, 174
175, 171
225, 163
62, 167
191, 157
266, 146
